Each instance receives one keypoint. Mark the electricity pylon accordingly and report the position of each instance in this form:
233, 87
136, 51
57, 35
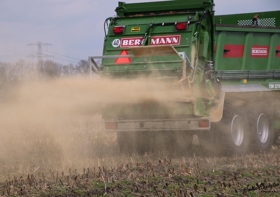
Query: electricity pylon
40, 51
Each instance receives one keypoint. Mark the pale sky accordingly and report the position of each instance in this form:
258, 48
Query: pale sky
74, 28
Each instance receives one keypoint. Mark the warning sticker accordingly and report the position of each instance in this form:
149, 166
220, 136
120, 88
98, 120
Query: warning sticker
135, 29
116, 43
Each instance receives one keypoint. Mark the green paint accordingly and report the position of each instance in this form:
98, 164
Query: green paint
205, 32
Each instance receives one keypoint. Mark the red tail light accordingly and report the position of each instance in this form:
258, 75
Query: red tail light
204, 123
111, 125
118, 30
181, 26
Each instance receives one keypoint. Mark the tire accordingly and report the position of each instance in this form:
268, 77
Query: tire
126, 142
164, 143
263, 132
234, 135
182, 143
144, 142
135, 142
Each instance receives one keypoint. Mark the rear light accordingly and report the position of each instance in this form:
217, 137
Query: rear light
111, 125
181, 26
203, 124
118, 30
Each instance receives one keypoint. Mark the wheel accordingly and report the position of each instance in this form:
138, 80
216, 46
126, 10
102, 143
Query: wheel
237, 131
126, 142
144, 142
232, 132
182, 143
135, 142
238, 134
263, 133
164, 143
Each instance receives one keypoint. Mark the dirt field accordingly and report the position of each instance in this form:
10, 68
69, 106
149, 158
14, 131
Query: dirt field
93, 166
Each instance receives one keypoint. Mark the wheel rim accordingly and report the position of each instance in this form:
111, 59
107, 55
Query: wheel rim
262, 128
237, 130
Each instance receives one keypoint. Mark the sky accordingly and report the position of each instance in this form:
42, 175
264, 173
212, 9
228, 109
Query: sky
71, 30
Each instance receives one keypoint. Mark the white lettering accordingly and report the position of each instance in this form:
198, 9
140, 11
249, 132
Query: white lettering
175, 40
155, 40
131, 42
137, 42
274, 86
168, 41
259, 51
125, 43
162, 41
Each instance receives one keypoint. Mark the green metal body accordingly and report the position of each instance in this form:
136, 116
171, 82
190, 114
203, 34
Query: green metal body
248, 54
221, 51
156, 19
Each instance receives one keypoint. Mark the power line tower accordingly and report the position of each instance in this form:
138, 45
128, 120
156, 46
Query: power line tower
40, 51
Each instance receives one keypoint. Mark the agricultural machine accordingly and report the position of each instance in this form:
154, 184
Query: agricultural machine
227, 68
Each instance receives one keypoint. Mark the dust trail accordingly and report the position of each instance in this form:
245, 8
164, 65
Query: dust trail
41, 101
53, 119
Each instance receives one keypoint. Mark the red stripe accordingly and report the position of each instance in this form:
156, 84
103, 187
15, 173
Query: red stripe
278, 51
233, 51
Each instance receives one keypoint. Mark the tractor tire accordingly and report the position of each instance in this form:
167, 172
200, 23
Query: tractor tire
232, 133
135, 142
263, 132
182, 143
144, 142
164, 143
126, 142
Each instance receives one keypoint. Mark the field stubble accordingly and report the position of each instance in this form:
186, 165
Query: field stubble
87, 162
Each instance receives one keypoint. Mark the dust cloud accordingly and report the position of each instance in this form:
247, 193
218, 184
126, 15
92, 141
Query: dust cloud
47, 102
47, 121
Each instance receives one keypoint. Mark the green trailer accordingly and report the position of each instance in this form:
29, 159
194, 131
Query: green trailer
229, 66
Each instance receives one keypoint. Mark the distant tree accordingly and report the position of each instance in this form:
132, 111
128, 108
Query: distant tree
83, 67
22, 69
3, 75
49, 68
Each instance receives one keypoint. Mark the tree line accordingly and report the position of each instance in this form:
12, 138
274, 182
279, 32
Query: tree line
13, 72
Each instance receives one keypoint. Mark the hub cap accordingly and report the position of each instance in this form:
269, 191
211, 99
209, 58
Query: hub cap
262, 128
237, 130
